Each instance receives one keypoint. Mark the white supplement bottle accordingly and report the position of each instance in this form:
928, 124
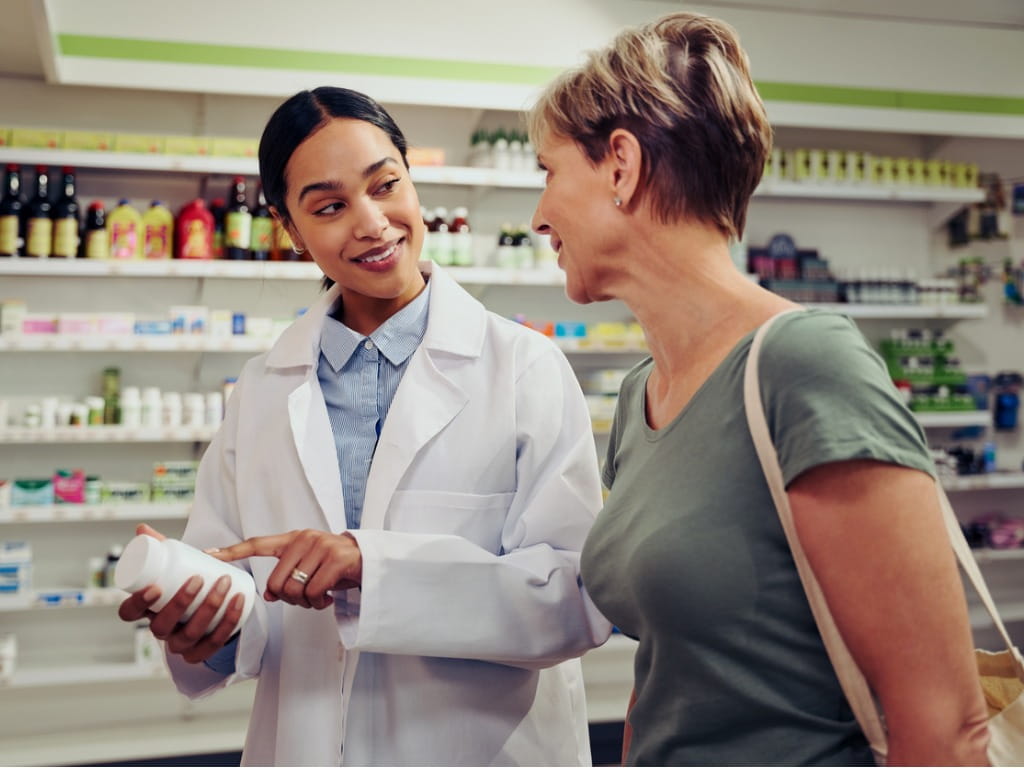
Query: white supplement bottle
169, 564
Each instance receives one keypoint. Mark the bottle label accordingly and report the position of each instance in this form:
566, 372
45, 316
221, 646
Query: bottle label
157, 242
40, 238
462, 249
97, 244
124, 240
237, 229
65, 238
10, 242
262, 234
198, 242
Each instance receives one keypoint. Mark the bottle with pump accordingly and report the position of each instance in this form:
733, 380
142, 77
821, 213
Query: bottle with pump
170, 563
237, 223
262, 229
462, 238
12, 220
67, 222
39, 218
157, 232
97, 241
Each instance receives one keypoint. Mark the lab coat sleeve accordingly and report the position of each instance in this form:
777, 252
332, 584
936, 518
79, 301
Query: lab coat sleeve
442, 595
214, 522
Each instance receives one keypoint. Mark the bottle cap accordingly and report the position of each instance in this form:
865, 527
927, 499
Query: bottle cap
140, 564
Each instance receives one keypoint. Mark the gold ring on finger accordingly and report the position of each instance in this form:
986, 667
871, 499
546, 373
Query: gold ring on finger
300, 576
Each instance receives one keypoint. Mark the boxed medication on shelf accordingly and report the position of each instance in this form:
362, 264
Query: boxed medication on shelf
15, 572
27, 492
174, 473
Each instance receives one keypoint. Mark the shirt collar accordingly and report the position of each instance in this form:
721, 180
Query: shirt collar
396, 338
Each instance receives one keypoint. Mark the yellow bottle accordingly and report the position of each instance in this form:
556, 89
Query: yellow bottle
157, 232
124, 226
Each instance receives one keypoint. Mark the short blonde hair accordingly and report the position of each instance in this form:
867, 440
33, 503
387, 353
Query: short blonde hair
682, 86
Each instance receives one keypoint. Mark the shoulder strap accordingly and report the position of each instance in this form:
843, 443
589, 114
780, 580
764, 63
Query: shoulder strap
850, 677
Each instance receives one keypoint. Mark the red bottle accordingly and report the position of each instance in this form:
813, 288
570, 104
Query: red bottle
194, 231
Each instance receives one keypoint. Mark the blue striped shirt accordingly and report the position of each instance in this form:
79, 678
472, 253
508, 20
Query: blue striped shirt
359, 376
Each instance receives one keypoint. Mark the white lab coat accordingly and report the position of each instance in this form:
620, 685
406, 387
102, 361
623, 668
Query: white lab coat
462, 646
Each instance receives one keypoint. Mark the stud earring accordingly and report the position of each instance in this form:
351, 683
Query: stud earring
618, 201
298, 251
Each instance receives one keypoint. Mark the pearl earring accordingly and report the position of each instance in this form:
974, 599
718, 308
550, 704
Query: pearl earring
618, 201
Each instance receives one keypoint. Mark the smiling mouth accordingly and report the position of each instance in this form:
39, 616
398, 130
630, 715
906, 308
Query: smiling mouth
378, 254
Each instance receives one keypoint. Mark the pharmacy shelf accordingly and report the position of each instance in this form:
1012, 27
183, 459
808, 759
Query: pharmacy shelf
63, 597
953, 419
986, 556
586, 345
990, 482
249, 270
462, 176
129, 342
907, 311
902, 194
82, 674
107, 434
72, 513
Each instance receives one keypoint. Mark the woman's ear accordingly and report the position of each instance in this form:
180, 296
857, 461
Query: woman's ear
626, 157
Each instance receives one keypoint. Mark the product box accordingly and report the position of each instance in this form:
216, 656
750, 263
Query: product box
139, 143
187, 145
77, 323
134, 493
5, 489
69, 486
174, 473
15, 572
5, 136
115, 323
33, 323
27, 492
425, 156
173, 492
93, 141
35, 139
227, 147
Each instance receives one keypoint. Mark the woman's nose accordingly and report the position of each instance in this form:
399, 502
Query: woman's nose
372, 222
538, 224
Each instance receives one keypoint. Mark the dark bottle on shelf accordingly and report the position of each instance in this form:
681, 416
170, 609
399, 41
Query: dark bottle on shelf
39, 218
217, 210
12, 210
96, 242
237, 223
66, 219
262, 229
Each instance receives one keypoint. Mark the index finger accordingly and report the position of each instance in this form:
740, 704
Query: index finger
261, 546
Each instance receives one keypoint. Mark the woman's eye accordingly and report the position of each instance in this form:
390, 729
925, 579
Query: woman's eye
327, 210
388, 186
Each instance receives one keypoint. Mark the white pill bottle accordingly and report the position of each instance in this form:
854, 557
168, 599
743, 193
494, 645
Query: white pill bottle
169, 564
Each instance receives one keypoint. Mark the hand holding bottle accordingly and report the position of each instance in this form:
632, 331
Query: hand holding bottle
310, 564
187, 637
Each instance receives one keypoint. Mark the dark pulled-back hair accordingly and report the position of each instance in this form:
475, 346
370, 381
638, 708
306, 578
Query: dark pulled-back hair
300, 117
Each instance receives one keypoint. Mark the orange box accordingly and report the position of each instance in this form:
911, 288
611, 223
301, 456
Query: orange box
425, 155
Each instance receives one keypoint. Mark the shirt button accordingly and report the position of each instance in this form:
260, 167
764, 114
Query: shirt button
368, 344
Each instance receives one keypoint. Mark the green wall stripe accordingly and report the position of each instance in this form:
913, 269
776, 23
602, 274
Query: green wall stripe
321, 61
131, 49
890, 99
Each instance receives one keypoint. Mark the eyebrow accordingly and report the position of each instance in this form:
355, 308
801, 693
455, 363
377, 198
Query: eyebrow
337, 186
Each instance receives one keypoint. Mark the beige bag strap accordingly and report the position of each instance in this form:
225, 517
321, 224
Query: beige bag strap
850, 677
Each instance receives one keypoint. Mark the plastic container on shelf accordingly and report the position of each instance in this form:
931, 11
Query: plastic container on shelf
169, 564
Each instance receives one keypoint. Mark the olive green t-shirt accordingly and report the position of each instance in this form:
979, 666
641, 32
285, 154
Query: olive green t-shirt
688, 555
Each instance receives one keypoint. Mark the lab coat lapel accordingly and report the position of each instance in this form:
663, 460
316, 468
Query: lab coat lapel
314, 443
426, 401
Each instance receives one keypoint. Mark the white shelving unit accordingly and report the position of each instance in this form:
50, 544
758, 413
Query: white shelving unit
106, 434
953, 419
990, 482
607, 670
74, 513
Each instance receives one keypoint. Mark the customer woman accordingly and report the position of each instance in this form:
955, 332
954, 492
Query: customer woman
443, 527
652, 149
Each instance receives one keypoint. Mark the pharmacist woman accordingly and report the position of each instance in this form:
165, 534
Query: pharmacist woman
408, 477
